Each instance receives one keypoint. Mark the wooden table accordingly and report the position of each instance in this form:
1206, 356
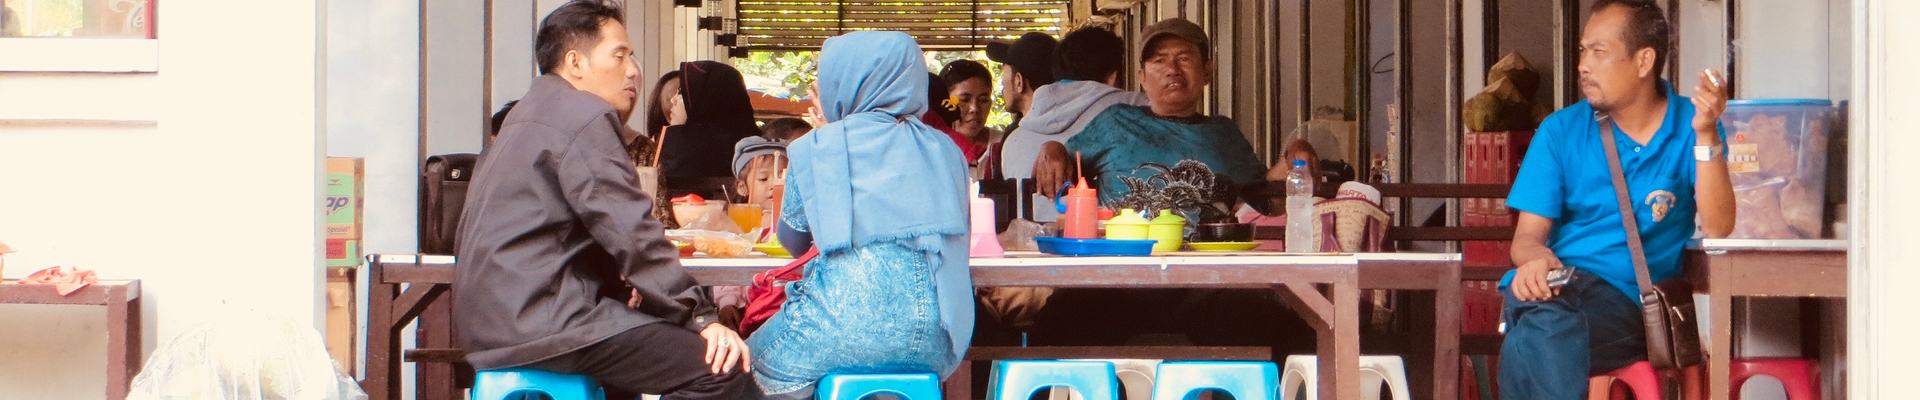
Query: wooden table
1727, 268
122, 300
1437, 317
1333, 313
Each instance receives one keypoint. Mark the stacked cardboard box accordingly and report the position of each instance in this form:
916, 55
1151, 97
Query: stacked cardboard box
345, 192
1490, 158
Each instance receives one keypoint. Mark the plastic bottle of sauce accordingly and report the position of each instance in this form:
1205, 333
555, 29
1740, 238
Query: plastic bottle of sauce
1079, 223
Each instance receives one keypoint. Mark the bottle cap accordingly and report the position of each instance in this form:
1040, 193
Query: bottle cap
1081, 189
1299, 163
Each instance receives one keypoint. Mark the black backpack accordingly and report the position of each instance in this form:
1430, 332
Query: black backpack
443, 193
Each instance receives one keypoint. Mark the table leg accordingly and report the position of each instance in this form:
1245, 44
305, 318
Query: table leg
1339, 354
1447, 304
122, 354
383, 347
136, 345
959, 386
1335, 318
1419, 311
1720, 356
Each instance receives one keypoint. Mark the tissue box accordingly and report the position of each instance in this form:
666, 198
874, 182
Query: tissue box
343, 207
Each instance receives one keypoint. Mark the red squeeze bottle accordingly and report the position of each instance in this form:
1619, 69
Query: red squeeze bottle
1080, 221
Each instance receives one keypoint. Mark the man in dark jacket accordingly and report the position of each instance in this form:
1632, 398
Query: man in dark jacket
554, 200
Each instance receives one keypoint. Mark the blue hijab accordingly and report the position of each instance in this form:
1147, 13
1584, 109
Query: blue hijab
876, 174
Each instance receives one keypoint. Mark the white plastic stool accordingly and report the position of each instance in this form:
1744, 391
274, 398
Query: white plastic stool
1303, 371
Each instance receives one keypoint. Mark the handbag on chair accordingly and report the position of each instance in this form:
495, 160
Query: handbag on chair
1673, 335
769, 292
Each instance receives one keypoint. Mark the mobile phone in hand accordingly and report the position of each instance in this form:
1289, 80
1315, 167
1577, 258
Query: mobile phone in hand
1559, 277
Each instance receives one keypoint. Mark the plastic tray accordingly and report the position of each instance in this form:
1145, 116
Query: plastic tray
1094, 247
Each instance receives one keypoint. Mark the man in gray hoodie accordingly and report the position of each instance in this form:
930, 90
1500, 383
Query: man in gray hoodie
1088, 63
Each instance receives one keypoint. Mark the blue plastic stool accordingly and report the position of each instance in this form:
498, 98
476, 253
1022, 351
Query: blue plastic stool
857, 386
1017, 380
1245, 380
499, 383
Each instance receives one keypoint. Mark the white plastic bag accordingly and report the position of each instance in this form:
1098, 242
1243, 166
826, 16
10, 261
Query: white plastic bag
244, 356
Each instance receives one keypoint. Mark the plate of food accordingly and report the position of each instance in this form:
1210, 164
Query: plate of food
686, 249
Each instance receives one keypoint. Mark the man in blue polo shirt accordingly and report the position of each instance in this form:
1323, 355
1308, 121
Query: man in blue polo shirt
1671, 150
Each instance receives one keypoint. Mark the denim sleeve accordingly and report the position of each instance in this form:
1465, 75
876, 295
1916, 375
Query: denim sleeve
1540, 188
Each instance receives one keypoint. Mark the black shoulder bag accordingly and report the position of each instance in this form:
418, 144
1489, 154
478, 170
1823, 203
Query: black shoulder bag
1673, 336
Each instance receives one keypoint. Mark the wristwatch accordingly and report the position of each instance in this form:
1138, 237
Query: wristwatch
1707, 153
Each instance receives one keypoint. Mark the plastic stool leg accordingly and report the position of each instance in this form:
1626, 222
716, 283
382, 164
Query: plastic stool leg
1600, 388
1394, 370
855, 386
1018, 380
1641, 379
1301, 374
498, 384
1242, 380
1797, 376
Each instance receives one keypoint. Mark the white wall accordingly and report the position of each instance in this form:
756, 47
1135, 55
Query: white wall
373, 86
206, 189
1884, 223
457, 109
1784, 49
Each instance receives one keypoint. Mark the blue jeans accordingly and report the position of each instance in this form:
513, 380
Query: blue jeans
865, 310
1553, 346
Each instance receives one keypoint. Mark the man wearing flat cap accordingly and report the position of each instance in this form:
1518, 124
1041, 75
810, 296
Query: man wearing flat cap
1167, 155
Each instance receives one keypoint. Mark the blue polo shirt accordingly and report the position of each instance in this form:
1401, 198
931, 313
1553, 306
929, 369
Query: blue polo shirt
1565, 177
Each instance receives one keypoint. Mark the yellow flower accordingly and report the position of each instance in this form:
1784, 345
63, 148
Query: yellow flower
951, 103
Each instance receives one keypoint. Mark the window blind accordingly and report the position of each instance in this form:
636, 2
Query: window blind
936, 24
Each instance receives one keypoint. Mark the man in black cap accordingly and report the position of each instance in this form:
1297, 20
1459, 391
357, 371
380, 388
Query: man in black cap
1026, 65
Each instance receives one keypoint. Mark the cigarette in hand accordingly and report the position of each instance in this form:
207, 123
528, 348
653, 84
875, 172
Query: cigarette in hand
1712, 77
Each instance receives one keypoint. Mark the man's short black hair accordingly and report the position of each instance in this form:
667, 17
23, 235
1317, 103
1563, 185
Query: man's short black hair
1089, 54
1647, 26
499, 119
573, 26
959, 71
787, 128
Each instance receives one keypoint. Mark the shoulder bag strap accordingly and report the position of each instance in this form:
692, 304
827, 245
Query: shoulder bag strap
1627, 216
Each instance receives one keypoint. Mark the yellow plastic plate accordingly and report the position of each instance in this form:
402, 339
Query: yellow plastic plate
773, 249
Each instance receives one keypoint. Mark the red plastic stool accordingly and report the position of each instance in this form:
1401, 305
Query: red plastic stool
1639, 378
1795, 374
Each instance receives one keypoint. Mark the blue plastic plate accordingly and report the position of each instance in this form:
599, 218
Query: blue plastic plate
1094, 247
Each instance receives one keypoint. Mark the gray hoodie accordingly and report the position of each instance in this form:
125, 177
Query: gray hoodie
1060, 110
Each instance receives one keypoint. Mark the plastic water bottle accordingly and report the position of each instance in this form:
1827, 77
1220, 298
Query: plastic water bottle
1299, 208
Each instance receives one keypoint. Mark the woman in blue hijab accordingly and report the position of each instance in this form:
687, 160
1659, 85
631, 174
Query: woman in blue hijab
883, 197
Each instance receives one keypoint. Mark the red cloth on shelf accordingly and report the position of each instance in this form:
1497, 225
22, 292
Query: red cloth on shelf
65, 280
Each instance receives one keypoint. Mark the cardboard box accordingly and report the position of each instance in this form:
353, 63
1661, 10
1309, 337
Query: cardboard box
341, 335
346, 191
